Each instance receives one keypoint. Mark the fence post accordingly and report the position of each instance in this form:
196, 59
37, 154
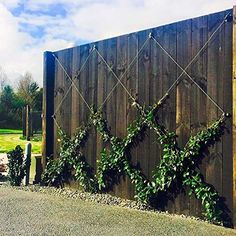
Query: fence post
28, 123
234, 116
24, 121
38, 169
48, 106
27, 156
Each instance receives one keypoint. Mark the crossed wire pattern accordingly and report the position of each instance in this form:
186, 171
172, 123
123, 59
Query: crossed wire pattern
119, 79
145, 122
161, 179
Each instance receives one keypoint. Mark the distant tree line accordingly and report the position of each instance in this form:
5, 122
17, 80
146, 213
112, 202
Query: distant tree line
13, 101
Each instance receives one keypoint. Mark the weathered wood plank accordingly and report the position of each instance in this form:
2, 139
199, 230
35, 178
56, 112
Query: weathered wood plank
198, 98
48, 106
132, 85
234, 114
184, 44
169, 75
214, 89
111, 103
227, 168
122, 97
143, 96
155, 84
92, 101
149, 78
58, 96
101, 89
67, 64
75, 115
84, 83
84, 90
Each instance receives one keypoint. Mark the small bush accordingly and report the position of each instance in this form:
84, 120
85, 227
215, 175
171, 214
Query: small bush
17, 166
22, 138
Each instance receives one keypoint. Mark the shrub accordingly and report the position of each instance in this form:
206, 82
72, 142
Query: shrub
17, 166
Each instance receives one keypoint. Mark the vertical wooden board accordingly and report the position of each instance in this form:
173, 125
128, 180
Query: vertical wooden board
101, 88
121, 94
215, 90
111, 103
234, 115
132, 85
184, 44
155, 93
92, 101
198, 98
55, 105
75, 115
48, 107
168, 74
92, 77
143, 95
64, 103
84, 86
122, 98
227, 169
67, 64
58, 96
84, 91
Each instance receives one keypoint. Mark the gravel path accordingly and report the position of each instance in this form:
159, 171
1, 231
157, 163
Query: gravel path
32, 213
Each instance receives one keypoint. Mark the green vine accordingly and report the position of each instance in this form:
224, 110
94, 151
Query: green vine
58, 171
176, 164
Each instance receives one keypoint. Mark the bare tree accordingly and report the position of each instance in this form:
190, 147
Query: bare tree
27, 89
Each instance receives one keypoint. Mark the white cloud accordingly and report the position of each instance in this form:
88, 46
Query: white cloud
86, 20
10, 3
20, 52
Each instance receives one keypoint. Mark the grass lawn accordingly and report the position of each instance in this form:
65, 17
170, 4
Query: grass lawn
10, 131
9, 139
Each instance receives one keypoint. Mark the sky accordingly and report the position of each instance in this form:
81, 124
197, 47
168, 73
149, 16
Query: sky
30, 27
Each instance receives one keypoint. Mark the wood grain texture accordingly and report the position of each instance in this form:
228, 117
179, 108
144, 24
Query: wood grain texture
227, 145
48, 107
198, 99
132, 85
215, 90
234, 114
183, 95
186, 112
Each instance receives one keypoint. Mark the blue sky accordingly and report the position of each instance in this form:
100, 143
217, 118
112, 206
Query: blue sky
30, 27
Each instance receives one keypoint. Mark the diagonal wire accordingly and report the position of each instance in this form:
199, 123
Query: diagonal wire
56, 123
62, 100
72, 81
119, 80
190, 63
77, 74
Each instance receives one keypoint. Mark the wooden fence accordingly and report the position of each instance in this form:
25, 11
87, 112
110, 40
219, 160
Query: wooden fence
147, 78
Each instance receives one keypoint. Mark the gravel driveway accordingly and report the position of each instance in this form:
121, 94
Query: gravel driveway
31, 213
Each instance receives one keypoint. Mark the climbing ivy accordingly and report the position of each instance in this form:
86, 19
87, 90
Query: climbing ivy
176, 164
58, 171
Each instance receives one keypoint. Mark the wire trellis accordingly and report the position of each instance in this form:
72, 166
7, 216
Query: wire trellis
150, 37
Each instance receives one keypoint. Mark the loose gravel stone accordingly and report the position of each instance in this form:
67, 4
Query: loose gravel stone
101, 198
36, 210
